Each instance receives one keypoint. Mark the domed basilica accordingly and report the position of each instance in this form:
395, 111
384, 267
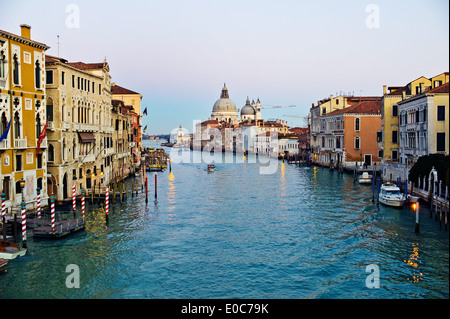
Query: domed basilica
224, 110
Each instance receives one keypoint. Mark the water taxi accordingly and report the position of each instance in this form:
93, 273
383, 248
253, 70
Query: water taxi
211, 168
390, 195
10, 250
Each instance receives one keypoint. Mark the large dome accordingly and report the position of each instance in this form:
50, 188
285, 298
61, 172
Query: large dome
224, 104
248, 109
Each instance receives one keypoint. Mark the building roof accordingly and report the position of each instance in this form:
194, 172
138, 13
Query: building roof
117, 89
442, 89
363, 107
19, 38
87, 66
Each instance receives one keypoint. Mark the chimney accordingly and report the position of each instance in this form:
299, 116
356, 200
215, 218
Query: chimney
25, 30
384, 89
403, 94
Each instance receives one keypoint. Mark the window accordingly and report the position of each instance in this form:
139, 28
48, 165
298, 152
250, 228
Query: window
395, 137
380, 153
29, 158
27, 57
93, 87
37, 74
324, 111
425, 114
99, 89
63, 76
437, 83
357, 124
379, 136
18, 188
395, 110
357, 143
49, 77
18, 162
417, 116
51, 153
39, 183
6, 183
16, 126
73, 81
39, 160
2, 65
440, 142
395, 155
78, 80
16, 79
50, 110
441, 113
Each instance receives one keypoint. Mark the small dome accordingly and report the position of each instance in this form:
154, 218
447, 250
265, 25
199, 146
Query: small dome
248, 109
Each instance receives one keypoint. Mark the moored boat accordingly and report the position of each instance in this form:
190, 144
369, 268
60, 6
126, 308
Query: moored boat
3, 264
365, 178
211, 168
390, 195
10, 250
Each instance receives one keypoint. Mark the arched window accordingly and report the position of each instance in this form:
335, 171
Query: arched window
18, 188
38, 126
37, 74
16, 125
3, 123
16, 70
39, 183
357, 142
357, 124
2, 65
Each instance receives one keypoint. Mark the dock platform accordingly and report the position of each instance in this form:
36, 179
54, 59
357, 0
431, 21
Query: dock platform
43, 228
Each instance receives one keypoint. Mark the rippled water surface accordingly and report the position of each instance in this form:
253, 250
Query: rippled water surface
234, 233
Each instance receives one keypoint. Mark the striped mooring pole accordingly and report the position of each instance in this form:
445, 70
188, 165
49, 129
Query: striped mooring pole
38, 204
52, 211
4, 215
107, 203
74, 199
82, 204
24, 225
142, 177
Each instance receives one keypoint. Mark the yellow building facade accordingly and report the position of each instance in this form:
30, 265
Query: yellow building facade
22, 104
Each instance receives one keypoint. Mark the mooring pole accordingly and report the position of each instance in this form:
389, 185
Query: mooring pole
4, 215
107, 204
38, 205
373, 189
24, 225
378, 193
146, 191
416, 208
156, 186
83, 215
74, 201
52, 211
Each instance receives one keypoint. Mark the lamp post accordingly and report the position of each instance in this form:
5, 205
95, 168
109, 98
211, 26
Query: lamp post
22, 186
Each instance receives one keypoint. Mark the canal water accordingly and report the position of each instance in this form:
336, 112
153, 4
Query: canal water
301, 232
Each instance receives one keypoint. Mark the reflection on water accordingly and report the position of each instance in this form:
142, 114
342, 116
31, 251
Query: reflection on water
234, 233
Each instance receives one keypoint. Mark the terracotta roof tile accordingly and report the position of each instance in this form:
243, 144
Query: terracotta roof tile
86, 66
116, 89
364, 107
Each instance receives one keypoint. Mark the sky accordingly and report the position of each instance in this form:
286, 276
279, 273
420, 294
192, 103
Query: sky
179, 54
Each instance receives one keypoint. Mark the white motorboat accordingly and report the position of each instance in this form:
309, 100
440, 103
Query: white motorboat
365, 178
390, 195
9, 250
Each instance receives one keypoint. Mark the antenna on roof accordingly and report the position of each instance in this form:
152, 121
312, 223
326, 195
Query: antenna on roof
58, 44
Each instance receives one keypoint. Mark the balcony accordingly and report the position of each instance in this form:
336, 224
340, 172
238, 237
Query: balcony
44, 143
20, 143
88, 127
2, 83
108, 151
66, 126
75, 126
87, 158
51, 126
123, 154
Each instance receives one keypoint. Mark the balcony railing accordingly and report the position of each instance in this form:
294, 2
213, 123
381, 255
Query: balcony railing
123, 154
87, 158
66, 126
88, 127
108, 151
44, 143
51, 126
20, 143
75, 126
4, 144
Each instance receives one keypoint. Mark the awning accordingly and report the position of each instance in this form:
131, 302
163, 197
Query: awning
87, 137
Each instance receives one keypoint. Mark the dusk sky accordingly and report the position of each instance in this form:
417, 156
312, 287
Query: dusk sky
178, 54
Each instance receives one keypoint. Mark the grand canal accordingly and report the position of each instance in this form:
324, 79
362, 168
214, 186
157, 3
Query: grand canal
302, 232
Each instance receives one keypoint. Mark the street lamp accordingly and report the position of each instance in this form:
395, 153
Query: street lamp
22, 185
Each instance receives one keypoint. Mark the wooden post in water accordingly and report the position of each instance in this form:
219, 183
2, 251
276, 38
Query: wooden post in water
52, 211
132, 187
373, 189
107, 204
121, 190
4, 215
156, 186
114, 190
82, 205
416, 208
38, 204
378, 193
24, 225
146, 191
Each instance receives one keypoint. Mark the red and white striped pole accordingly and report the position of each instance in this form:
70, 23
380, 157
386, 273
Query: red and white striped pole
107, 203
38, 205
4, 215
142, 177
82, 204
24, 225
74, 199
52, 211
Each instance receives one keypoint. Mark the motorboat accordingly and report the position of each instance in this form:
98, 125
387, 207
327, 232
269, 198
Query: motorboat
365, 178
3, 264
211, 168
9, 250
391, 195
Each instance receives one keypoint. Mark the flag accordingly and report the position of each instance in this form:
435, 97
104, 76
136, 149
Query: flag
145, 112
5, 133
41, 138
145, 127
